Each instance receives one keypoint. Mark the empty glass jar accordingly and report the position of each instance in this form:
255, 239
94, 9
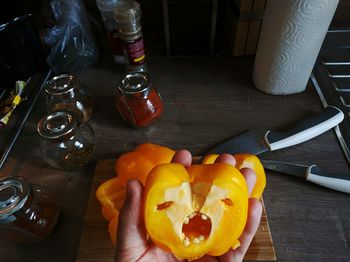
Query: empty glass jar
65, 143
65, 92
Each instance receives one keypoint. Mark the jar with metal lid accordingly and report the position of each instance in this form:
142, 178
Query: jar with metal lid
64, 91
65, 143
128, 18
137, 101
25, 216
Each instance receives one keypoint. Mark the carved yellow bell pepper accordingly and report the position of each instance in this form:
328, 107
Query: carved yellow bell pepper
195, 211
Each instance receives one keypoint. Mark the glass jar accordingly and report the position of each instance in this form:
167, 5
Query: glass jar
65, 143
64, 92
137, 101
128, 18
24, 216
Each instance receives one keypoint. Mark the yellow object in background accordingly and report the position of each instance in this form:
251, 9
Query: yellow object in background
20, 85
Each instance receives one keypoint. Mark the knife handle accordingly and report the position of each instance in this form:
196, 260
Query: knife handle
307, 129
339, 182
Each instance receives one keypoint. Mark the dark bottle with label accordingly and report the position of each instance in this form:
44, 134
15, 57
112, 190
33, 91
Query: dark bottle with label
128, 17
106, 9
24, 215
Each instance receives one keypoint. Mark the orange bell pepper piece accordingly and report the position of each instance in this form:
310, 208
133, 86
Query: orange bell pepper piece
112, 229
111, 195
137, 164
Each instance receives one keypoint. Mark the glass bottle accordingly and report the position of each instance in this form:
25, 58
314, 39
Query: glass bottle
65, 92
66, 143
137, 101
128, 17
24, 215
106, 9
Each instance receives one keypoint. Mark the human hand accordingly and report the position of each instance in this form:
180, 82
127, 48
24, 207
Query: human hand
132, 242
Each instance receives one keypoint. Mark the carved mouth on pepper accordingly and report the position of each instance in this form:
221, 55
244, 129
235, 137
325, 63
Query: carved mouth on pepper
196, 228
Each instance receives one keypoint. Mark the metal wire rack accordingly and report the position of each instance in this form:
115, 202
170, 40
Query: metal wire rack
331, 79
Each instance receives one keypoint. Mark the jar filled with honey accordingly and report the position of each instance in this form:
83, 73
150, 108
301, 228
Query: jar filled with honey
24, 215
137, 101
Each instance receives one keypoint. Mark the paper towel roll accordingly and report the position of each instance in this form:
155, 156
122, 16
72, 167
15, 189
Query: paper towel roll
290, 40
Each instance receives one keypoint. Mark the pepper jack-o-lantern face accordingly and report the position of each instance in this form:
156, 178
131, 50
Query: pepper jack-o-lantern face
195, 211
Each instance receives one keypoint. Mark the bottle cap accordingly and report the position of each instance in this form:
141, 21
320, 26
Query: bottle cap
57, 124
135, 83
14, 192
60, 84
128, 16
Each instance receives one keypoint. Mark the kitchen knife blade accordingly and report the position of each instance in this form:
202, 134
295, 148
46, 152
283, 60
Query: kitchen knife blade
257, 142
339, 182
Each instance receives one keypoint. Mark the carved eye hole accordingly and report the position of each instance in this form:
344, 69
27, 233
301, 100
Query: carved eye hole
227, 201
164, 205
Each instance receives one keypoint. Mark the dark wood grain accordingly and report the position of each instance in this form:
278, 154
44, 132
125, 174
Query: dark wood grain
95, 244
207, 100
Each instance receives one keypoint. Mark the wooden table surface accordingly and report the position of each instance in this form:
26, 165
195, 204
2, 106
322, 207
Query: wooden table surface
207, 100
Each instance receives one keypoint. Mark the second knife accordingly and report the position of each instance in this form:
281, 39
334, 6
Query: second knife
339, 182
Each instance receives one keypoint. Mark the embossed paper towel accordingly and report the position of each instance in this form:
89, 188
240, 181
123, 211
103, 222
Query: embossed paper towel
290, 40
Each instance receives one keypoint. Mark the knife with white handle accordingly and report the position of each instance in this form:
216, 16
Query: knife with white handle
339, 182
305, 130
259, 141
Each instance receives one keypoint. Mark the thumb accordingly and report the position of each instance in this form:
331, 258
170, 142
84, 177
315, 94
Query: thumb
131, 234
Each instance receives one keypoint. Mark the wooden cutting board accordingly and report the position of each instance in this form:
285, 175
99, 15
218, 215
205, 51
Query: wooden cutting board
96, 246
